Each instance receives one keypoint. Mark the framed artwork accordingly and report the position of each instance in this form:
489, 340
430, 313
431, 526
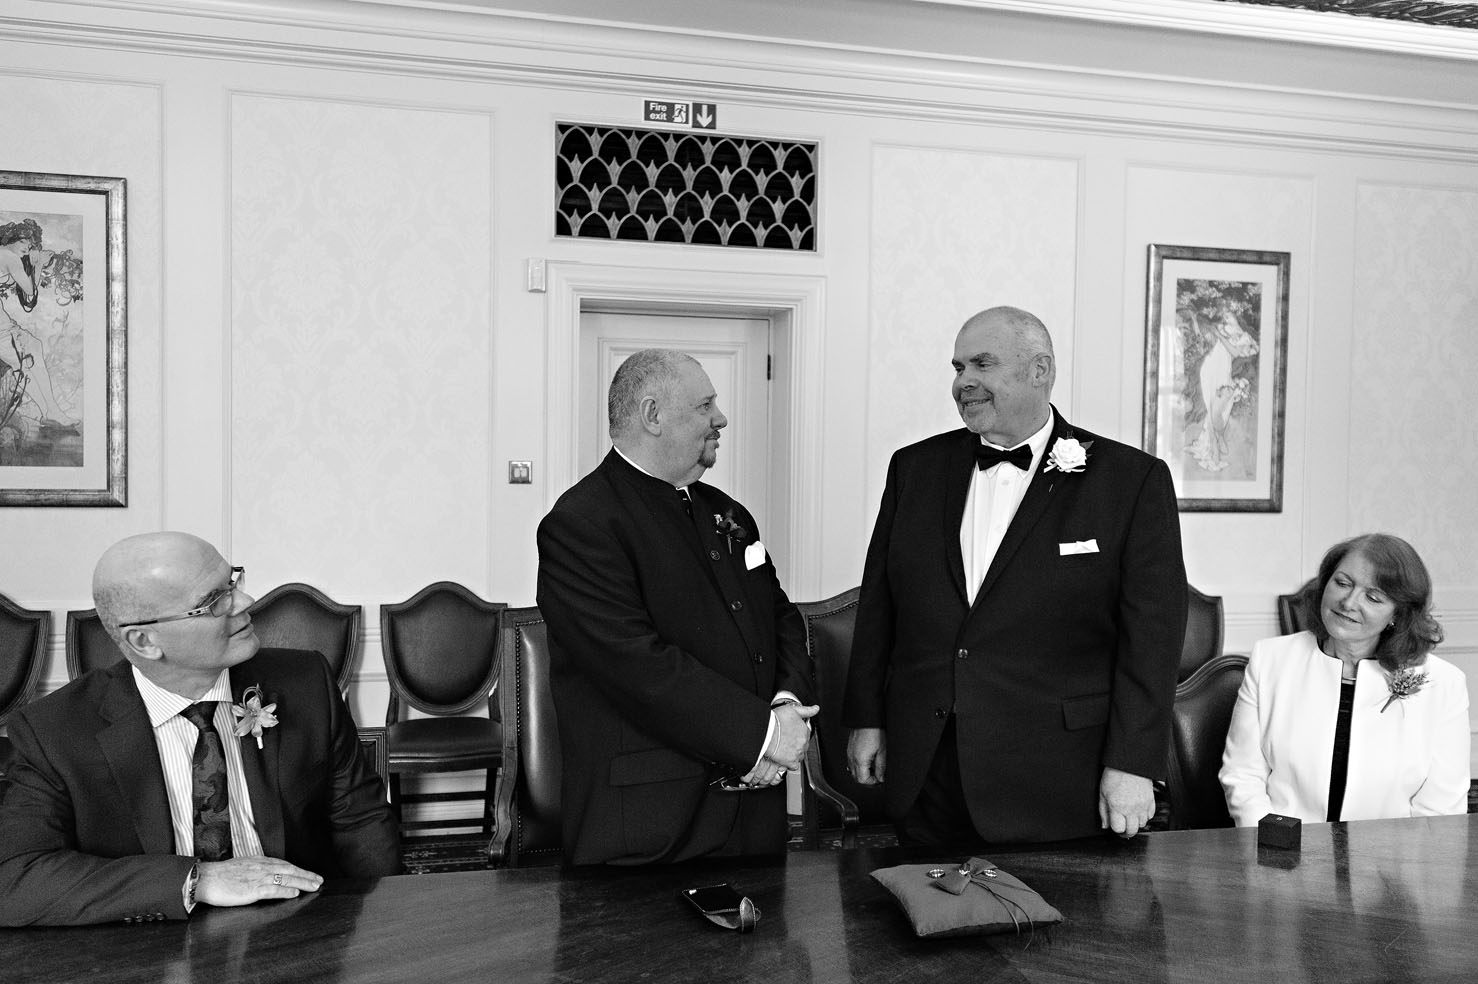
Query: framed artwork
63, 404
1215, 374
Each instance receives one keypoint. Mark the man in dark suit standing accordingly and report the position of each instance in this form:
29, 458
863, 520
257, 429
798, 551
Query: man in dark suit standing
1022, 615
197, 771
678, 665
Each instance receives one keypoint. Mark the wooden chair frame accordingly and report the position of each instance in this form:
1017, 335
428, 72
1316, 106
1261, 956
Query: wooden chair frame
353, 614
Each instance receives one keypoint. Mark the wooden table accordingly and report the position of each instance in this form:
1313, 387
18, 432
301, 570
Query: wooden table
1388, 900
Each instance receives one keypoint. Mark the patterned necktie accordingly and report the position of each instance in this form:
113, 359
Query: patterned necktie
208, 772
986, 456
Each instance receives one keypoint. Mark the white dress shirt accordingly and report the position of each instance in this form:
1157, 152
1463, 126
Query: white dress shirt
176, 736
995, 495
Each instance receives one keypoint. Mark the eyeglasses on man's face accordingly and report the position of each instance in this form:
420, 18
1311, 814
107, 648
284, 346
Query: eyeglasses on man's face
216, 606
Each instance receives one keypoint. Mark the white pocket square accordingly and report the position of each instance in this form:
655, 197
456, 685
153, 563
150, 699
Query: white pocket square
754, 555
1077, 547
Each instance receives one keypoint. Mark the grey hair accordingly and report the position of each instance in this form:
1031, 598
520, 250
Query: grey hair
1029, 332
648, 372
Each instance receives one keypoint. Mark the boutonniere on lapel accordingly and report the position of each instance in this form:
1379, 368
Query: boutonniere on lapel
251, 717
729, 530
1403, 684
1068, 455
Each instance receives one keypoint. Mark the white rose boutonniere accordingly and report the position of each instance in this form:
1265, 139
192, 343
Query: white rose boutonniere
1068, 455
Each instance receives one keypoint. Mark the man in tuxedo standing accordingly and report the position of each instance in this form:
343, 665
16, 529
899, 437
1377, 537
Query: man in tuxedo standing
198, 770
1022, 614
678, 665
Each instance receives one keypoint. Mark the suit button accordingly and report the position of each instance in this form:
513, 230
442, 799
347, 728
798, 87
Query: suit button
963, 654
941, 713
714, 555
736, 606
759, 657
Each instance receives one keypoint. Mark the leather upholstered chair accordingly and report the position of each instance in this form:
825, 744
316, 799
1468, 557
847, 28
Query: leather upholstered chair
528, 819
1205, 625
376, 751
88, 645
441, 658
1292, 615
299, 616
25, 635
1198, 735
829, 787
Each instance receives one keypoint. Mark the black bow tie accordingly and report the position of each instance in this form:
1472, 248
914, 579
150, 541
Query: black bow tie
986, 456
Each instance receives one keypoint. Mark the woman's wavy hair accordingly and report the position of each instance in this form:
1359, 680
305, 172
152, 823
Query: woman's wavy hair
1402, 576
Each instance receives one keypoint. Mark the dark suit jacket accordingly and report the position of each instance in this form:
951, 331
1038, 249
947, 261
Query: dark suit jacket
85, 833
1063, 665
665, 653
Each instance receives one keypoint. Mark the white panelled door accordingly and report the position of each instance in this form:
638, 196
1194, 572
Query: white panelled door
732, 350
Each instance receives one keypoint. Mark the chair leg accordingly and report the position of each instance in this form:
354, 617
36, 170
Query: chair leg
395, 798
489, 793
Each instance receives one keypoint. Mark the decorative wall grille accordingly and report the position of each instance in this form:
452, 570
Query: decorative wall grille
674, 187
1421, 11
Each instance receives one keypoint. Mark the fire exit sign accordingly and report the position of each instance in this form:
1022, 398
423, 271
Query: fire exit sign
698, 115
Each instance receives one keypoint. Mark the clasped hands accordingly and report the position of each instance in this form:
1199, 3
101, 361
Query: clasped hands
242, 881
787, 747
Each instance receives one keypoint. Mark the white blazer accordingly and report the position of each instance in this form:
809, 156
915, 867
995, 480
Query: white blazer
1412, 759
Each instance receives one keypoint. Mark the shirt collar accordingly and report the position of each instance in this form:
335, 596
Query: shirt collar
164, 704
643, 470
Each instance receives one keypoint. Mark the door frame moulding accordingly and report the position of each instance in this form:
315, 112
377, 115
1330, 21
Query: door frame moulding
795, 305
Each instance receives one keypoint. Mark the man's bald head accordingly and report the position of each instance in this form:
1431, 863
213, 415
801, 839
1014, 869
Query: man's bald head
147, 576
156, 595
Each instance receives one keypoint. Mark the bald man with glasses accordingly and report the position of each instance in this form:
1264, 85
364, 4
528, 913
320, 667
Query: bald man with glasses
203, 770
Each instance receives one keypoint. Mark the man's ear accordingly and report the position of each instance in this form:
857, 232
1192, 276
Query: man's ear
140, 641
650, 416
1041, 371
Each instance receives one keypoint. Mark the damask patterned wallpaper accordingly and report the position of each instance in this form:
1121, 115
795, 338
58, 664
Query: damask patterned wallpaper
954, 232
360, 245
1412, 367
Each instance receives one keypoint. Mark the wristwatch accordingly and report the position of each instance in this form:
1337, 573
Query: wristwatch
191, 881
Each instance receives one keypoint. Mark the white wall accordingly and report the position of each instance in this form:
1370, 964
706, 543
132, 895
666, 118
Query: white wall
332, 356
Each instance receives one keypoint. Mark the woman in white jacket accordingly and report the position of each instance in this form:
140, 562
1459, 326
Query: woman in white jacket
1354, 720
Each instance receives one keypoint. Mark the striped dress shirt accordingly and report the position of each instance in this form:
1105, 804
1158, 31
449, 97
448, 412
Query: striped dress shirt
176, 736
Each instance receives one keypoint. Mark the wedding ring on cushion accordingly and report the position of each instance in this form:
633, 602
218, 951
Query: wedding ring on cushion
936, 872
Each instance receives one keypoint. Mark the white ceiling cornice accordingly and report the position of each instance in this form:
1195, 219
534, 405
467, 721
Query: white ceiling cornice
1269, 23
464, 39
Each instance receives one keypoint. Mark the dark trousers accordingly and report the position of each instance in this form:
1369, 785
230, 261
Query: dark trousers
940, 816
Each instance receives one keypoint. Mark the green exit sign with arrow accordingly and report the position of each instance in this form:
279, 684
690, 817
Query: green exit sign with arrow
698, 115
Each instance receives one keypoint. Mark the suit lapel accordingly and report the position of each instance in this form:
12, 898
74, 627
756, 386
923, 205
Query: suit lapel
263, 779
127, 742
959, 472
1033, 505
